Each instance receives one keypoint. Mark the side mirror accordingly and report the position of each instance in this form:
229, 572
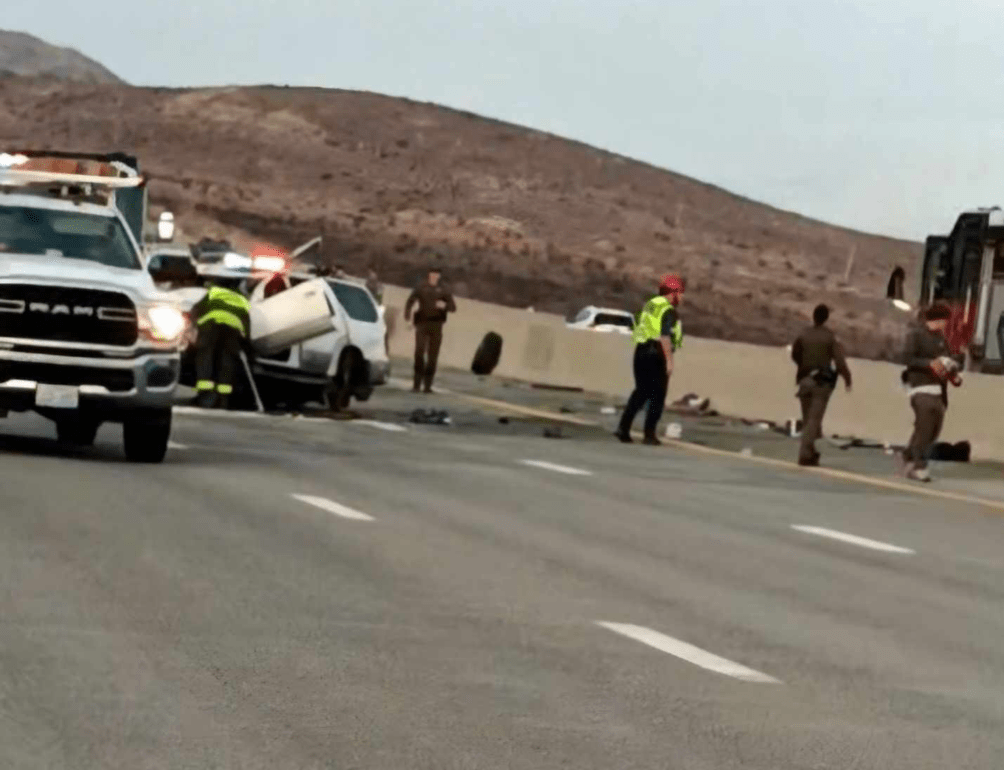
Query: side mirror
894, 291
173, 271
895, 288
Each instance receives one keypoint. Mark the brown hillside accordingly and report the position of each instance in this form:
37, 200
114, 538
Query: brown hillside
518, 216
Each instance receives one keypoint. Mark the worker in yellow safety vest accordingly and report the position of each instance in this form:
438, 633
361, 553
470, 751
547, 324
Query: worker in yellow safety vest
223, 318
657, 336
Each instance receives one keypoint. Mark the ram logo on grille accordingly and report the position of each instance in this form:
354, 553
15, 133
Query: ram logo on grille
103, 313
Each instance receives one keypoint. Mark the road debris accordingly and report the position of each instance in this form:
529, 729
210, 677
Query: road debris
430, 417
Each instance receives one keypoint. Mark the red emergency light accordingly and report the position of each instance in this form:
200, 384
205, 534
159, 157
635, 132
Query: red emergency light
268, 259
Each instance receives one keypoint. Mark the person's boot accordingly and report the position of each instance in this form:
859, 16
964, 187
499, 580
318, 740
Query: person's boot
810, 462
222, 402
624, 435
903, 465
919, 474
651, 440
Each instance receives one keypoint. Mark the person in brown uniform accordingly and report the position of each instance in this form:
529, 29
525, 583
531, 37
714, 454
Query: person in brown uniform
434, 302
820, 360
929, 366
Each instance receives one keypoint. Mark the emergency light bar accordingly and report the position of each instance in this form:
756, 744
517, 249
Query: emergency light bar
21, 168
20, 178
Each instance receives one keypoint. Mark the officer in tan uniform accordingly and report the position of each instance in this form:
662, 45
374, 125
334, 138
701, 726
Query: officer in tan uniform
820, 361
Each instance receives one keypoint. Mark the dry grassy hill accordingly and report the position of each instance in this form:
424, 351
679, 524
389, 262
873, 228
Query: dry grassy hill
517, 216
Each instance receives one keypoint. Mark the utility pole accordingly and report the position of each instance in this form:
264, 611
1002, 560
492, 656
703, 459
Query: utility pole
850, 264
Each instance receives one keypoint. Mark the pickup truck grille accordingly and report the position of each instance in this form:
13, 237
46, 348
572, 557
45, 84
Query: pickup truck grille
62, 314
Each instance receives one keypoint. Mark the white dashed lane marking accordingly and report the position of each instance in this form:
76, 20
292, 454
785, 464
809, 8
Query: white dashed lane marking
390, 427
689, 653
334, 508
568, 470
843, 537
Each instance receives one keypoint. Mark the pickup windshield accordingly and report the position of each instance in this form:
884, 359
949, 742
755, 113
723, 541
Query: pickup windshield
72, 234
614, 319
356, 301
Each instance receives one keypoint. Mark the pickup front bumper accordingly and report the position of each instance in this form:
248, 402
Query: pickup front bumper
107, 385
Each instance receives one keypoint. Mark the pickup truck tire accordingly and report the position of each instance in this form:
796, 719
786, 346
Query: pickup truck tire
77, 431
487, 356
146, 435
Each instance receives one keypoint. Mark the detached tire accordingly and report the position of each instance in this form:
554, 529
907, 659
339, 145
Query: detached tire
487, 356
146, 436
77, 432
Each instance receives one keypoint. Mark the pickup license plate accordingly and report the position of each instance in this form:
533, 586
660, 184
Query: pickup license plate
57, 396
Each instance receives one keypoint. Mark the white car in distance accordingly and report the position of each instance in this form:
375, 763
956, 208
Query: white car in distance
600, 319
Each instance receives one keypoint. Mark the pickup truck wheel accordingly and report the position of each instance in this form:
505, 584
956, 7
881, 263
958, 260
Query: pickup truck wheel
76, 431
146, 436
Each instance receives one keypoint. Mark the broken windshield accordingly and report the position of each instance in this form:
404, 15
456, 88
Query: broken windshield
71, 234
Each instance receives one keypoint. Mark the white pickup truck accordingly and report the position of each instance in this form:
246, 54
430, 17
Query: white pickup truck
85, 335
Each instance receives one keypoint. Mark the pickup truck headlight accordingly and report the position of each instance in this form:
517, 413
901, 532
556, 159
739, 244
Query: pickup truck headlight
162, 323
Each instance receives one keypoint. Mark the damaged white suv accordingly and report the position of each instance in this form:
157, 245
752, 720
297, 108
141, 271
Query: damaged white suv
85, 335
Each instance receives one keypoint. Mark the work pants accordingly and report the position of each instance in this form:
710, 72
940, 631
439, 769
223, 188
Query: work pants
651, 383
929, 416
217, 354
428, 339
814, 398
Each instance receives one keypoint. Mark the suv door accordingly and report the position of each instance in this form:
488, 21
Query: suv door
316, 356
320, 355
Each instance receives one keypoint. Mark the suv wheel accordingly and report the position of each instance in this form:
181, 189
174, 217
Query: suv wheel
337, 395
341, 389
77, 431
146, 435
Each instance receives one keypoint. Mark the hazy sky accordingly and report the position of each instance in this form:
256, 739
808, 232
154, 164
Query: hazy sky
876, 114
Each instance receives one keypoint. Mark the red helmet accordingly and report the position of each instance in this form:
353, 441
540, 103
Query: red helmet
671, 284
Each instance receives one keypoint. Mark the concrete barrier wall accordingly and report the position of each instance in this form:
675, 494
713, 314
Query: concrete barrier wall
743, 380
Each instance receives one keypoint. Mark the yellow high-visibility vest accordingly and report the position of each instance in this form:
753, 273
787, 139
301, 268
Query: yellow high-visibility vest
224, 306
649, 326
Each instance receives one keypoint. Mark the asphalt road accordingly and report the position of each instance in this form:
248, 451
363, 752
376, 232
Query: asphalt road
296, 593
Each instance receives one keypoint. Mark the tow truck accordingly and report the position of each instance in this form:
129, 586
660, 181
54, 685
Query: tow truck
965, 270
85, 335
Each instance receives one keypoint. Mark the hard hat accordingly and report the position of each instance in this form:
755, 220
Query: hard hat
671, 284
